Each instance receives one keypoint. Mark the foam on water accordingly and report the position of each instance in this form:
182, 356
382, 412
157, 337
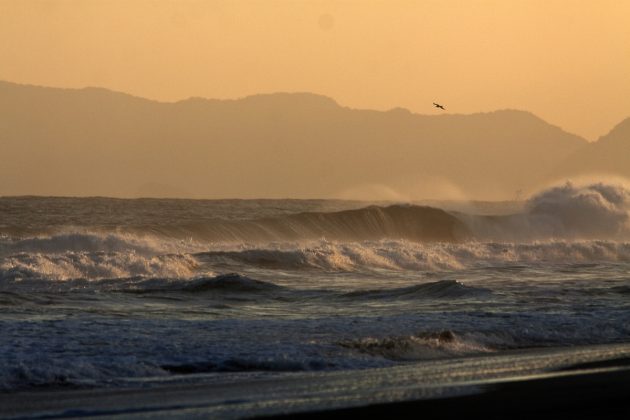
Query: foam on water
94, 266
108, 352
421, 346
322, 256
407, 255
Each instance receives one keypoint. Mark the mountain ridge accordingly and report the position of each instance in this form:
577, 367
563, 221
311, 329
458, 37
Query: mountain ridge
262, 96
94, 141
608, 156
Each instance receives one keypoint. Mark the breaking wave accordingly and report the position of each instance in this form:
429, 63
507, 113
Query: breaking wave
422, 346
94, 266
407, 255
590, 211
569, 212
321, 256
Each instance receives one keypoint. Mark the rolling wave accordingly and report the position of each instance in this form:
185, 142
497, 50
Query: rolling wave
411, 222
443, 289
224, 283
422, 346
416, 223
18, 290
14, 288
237, 284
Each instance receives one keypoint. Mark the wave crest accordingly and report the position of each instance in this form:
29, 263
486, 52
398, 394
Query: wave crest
231, 282
407, 255
422, 346
442, 289
566, 212
589, 211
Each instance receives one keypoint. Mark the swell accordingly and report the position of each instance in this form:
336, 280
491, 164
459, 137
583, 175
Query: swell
596, 211
442, 289
231, 283
416, 223
16, 290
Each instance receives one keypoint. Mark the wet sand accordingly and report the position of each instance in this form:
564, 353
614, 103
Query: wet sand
593, 395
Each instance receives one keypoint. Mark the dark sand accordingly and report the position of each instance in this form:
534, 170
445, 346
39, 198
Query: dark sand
598, 395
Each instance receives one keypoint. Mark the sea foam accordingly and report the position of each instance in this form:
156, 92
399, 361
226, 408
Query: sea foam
94, 266
408, 255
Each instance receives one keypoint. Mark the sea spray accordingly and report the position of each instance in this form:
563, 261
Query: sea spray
583, 212
567, 212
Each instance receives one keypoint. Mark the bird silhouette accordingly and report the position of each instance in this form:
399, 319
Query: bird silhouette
439, 106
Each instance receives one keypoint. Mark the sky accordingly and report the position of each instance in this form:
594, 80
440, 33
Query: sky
566, 61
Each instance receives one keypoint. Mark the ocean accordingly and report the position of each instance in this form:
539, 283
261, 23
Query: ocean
104, 293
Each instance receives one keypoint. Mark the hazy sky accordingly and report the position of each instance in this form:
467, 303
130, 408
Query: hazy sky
566, 61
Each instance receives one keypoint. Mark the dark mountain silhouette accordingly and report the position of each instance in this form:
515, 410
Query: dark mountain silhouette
97, 142
610, 155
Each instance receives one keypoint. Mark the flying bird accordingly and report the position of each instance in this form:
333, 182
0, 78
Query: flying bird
439, 106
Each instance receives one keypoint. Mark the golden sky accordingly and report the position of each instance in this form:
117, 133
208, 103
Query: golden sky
566, 61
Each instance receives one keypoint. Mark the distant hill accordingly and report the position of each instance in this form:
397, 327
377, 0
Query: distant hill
610, 155
298, 145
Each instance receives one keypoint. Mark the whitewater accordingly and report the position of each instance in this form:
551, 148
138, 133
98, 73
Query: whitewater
111, 293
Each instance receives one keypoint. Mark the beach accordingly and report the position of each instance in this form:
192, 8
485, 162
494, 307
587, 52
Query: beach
588, 382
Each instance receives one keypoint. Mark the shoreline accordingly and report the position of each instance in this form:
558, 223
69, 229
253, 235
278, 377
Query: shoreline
599, 394
583, 382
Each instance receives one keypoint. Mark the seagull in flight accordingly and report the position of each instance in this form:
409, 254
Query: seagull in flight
439, 106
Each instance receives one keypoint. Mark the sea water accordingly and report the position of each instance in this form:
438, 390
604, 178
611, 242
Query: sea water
111, 293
